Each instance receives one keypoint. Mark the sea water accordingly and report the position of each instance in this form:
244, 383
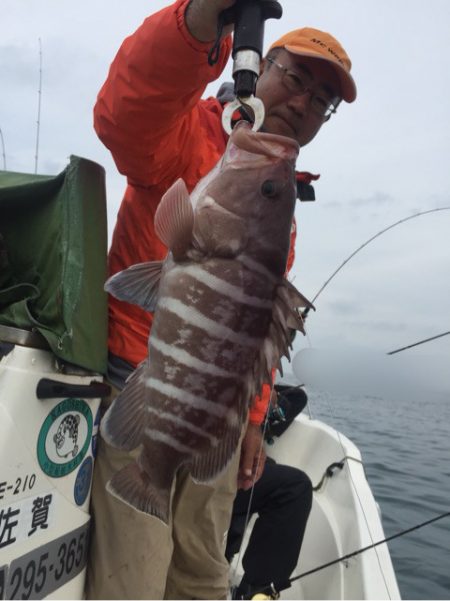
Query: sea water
405, 446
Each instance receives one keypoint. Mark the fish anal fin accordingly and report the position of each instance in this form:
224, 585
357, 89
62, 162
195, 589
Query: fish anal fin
174, 219
123, 424
132, 486
137, 285
210, 464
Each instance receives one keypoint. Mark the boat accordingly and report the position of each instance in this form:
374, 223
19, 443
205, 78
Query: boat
52, 364
53, 340
344, 519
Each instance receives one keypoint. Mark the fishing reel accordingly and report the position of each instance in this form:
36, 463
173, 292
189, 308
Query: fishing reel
291, 400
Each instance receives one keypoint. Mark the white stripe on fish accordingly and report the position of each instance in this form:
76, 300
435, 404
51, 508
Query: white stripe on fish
186, 398
195, 318
168, 440
222, 287
183, 424
253, 265
185, 358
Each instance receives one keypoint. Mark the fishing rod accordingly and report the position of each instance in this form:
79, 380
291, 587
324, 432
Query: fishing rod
286, 584
404, 348
3, 149
359, 551
377, 235
38, 121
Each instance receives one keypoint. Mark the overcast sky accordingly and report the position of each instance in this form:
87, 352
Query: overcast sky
383, 158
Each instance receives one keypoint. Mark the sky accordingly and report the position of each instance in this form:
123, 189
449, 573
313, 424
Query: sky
381, 159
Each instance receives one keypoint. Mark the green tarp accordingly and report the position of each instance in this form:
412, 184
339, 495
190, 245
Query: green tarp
53, 242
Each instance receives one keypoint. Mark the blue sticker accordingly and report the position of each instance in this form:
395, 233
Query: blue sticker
95, 433
83, 481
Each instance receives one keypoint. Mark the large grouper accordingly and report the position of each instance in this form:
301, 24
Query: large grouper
223, 317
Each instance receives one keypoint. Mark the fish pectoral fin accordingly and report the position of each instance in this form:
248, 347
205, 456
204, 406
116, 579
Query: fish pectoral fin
132, 486
210, 464
174, 219
138, 285
124, 423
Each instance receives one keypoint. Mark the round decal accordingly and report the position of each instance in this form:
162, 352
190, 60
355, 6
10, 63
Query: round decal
83, 481
64, 437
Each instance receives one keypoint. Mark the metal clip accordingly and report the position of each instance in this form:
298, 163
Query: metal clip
253, 106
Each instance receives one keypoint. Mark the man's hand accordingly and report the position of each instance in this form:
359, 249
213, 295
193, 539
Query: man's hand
202, 17
253, 457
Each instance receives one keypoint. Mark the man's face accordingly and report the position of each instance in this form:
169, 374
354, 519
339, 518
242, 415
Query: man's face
291, 114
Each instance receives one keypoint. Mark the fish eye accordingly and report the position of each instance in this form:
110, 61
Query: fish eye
269, 188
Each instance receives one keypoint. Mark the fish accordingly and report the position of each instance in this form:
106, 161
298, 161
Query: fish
223, 317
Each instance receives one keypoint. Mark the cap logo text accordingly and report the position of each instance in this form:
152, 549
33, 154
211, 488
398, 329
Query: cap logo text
330, 50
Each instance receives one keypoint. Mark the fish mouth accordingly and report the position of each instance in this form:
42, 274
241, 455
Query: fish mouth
265, 145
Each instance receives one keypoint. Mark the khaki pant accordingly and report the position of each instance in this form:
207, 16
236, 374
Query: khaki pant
136, 556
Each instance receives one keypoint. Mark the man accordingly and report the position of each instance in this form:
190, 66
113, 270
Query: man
282, 499
149, 114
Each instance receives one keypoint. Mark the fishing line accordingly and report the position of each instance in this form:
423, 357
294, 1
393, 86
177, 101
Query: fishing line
305, 312
248, 514
359, 551
266, 421
355, 489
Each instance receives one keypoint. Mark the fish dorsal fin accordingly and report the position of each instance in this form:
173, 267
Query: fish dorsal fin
137, 285
285, 318
124, 423
174, 219
294, 298
291, 299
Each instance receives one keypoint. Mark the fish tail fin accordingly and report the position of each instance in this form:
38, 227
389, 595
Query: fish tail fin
132, 486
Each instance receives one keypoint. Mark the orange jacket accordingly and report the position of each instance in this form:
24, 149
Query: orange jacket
150, 115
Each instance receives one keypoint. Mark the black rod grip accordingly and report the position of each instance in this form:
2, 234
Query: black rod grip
52, 389
249, 17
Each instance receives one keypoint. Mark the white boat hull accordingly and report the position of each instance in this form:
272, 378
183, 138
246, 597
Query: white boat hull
344, 518
47, 449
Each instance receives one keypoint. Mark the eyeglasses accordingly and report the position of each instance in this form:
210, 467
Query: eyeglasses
299, 84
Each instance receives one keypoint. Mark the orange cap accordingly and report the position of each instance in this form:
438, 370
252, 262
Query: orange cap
319, 44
